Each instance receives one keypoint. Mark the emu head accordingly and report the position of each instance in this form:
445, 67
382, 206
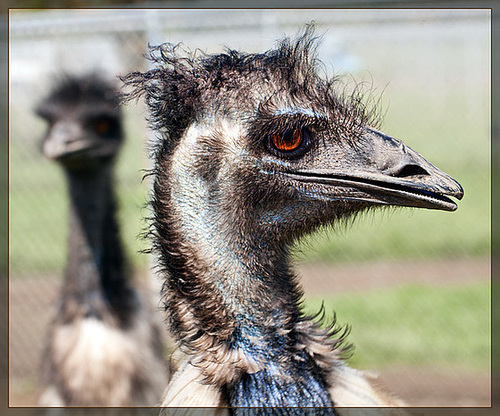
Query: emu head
84, 122
262, 145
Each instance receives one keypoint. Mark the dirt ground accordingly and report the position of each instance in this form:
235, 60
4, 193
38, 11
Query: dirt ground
32, 302
323, 278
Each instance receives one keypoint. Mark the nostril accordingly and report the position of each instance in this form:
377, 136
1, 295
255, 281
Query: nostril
411, 170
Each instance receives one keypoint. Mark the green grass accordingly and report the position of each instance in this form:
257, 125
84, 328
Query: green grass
416, 325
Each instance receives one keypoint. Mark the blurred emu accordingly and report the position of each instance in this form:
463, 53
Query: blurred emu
104, 347
255, 151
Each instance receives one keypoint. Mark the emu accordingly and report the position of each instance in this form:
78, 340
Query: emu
253, 152
104, 346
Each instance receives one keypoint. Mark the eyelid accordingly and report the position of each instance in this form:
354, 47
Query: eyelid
294, 111
312, 124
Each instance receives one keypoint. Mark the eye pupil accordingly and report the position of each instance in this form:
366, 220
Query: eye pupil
287, 141
102, 127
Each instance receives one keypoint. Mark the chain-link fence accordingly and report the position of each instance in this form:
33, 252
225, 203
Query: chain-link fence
413, 285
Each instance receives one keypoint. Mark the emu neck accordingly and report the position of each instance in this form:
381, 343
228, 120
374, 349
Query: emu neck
95, 277
233, 303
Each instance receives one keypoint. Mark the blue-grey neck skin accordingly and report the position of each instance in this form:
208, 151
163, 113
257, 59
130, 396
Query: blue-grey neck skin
264, 390
96, 277
284, 411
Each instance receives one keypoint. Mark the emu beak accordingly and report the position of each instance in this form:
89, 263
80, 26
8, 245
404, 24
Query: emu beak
68, 142
64, 139
383, 170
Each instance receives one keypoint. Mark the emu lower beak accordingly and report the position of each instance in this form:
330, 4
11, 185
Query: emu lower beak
386, 172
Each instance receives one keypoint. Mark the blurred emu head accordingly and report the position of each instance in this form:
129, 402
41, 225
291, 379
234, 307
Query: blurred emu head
84, 121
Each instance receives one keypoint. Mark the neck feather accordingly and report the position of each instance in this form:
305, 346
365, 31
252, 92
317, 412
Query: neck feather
233, 303
96, 280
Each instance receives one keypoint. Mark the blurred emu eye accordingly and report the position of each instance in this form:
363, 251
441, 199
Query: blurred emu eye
287, 141
102, 127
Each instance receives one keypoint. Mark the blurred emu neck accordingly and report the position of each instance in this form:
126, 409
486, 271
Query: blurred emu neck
91, 202
95, 271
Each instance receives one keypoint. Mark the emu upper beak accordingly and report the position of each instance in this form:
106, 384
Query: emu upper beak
383, 170
64, 139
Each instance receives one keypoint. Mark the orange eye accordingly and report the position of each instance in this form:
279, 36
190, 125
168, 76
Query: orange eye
102, 127
287, 141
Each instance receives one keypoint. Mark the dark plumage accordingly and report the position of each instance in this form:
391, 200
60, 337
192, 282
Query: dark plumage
254, 151
104, 347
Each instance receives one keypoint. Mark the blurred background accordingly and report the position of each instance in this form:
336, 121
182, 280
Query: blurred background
414, 285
